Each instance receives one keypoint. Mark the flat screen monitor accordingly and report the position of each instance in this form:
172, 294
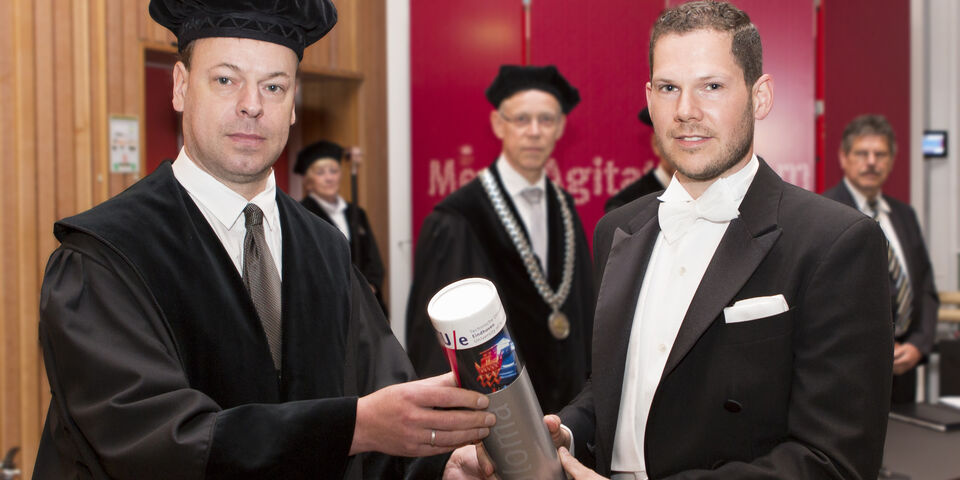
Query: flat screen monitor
934, 143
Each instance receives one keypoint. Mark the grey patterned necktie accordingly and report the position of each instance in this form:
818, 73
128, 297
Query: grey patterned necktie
902, 292
262, 280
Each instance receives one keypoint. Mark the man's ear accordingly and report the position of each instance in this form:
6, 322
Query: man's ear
497, 124
180, 77
762, 96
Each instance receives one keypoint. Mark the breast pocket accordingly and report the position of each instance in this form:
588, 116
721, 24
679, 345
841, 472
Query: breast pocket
759, 329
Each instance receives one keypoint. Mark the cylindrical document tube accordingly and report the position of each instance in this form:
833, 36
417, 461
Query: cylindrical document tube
471, 326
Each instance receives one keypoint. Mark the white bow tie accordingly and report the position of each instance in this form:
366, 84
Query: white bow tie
715, 205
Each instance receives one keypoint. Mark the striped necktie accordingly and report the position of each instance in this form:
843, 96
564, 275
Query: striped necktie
262, 280
901, 290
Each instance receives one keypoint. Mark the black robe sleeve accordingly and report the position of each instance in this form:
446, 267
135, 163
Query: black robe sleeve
375, 360
122, 406
447, 251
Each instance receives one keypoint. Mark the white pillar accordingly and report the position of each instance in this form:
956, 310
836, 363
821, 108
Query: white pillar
398, 161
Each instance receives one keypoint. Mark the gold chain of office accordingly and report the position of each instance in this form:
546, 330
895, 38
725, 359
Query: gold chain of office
557, 322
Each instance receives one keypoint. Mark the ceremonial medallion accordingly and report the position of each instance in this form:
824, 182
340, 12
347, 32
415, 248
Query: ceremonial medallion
559, 325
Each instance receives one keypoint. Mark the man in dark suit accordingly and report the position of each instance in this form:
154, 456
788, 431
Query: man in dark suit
867, 154
653, 181
320, 163
742, 323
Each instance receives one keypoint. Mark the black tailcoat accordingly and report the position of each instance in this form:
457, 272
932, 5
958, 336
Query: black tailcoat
926, 301
802, 394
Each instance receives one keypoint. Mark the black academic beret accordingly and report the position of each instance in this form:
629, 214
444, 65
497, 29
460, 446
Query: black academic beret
315, 151
293, 24
644, 116
515, 78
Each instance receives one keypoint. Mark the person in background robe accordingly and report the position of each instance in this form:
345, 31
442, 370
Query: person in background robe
320, 163
203, 324
465, 236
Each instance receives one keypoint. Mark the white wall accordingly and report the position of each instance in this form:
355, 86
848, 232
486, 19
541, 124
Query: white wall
938, 96
398, 161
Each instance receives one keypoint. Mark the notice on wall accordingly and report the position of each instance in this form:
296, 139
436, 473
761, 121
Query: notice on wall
124, 144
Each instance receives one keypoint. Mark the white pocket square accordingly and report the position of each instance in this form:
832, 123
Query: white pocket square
755, 308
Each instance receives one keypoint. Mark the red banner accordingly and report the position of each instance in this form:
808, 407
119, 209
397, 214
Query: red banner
601, 47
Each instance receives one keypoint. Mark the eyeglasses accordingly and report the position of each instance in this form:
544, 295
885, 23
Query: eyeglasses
522, 121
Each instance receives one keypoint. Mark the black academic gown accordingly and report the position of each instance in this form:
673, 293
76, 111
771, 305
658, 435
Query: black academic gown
363, 245
462, 238
648, 183
159, 367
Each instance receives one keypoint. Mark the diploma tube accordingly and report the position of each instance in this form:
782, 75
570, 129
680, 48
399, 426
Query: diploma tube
472, 328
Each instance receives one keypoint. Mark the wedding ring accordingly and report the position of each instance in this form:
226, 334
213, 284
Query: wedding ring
433, 438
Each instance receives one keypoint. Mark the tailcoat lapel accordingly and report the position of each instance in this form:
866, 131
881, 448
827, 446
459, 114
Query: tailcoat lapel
623, 275
748, 239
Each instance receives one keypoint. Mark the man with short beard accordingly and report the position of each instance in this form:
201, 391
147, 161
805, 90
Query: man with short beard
742, 324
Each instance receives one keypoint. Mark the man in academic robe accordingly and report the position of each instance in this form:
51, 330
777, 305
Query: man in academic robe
202, 324
319, 163
743, 324
547, 299
867, 154
653, 181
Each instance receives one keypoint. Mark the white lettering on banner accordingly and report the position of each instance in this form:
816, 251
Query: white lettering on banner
799, 174
602, 178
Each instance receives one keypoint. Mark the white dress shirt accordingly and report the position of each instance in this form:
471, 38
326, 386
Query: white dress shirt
883, 218
223, 209
672, 278
534, 217
337, 212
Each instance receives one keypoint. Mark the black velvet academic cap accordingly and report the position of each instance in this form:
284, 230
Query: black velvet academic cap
516, 78
315, 151
644, 116
293, 24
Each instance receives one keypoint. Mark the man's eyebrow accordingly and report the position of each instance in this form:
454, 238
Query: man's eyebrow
235, 68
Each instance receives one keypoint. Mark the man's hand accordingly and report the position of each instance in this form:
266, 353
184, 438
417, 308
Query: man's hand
559, 436
905, 357
464, 465
574, 468
401, 419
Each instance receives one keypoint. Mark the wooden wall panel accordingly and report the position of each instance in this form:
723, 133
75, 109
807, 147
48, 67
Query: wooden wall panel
71, 64
371, 53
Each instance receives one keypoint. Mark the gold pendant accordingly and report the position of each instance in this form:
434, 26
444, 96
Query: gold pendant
559, 325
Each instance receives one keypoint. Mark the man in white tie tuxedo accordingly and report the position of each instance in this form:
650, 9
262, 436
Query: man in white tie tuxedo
742, 324
513, 226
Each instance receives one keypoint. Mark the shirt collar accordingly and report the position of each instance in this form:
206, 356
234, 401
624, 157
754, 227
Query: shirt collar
225, 204
513, 182
736, 184
331, 208
861, 199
